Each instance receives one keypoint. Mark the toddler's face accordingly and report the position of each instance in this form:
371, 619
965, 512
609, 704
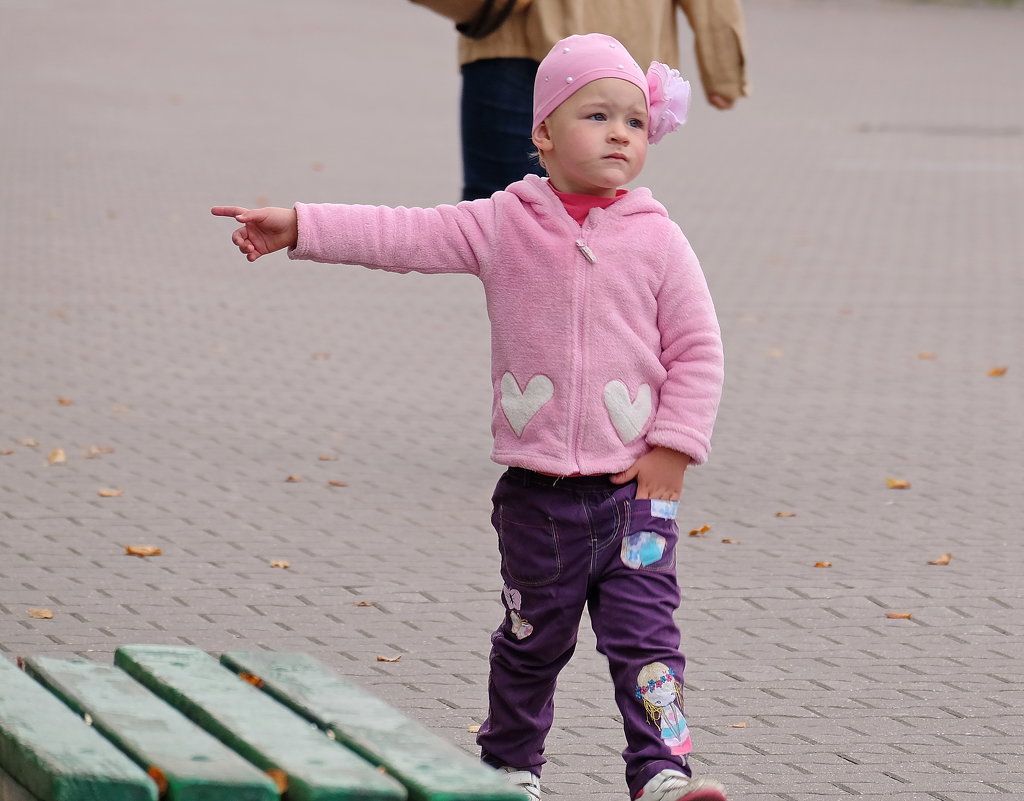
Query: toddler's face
596, 141
662, 696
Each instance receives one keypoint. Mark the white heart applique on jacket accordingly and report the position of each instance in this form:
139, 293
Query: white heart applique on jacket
628, 417
521, 405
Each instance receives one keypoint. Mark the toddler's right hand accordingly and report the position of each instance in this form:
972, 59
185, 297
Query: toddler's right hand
263, 230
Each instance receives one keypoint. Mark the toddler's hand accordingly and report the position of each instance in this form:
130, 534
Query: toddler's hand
658, 474
263, 230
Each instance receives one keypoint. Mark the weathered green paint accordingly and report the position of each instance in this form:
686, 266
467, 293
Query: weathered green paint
197, 766
54, 755
263, 731
432, 768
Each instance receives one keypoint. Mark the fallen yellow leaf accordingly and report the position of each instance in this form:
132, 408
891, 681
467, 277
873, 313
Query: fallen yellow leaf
336, 484
6, 452
823, 564
293, 479
897, 483
58, 457
785, 514
40, 614
142, 550
942, 560
251, 678
700, 532
389, 658
280, 778
328, 458
65, 401
898, 615
29, 443
926, 356
96, 450
363, 603
280, 563
158, 776
739, 725
730, 541
473, 729
111, 493
995, 372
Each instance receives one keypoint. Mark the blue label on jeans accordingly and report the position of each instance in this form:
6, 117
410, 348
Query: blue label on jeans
664, 509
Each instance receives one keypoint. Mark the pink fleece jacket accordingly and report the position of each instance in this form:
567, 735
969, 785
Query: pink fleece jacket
604, 339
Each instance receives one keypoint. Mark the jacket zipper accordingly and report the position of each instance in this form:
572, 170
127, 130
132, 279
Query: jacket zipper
588, 254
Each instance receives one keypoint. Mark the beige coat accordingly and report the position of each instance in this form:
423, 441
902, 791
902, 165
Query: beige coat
648, 29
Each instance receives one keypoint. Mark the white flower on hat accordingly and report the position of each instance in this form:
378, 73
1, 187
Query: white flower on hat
670, 100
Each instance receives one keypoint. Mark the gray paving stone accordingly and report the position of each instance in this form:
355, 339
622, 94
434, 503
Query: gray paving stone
860, 210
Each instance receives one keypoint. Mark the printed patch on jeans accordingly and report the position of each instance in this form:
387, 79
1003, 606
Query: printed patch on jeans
642, 549
659, 689
513, 598
666, 510
521, 627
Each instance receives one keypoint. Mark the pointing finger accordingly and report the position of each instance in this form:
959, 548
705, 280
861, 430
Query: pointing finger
228, 211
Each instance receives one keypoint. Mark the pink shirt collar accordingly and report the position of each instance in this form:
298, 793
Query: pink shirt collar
579, 206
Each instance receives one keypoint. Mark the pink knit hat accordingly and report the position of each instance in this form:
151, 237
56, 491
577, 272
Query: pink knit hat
578, 60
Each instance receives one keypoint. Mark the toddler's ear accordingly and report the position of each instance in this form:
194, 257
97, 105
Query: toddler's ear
542, 137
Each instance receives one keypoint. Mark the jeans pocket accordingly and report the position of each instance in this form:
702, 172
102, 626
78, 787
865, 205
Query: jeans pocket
529, 548
649, 542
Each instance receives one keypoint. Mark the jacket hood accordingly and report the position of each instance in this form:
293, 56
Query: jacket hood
537, 193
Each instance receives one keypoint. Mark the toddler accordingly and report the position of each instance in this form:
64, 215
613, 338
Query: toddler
606, 364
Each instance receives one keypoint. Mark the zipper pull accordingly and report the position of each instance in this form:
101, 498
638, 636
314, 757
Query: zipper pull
587, 252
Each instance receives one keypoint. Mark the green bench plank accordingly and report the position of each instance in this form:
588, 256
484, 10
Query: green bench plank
263, 731
195, 765
432, 768
54, 755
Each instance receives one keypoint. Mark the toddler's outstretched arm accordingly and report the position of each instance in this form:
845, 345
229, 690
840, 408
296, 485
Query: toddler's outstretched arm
263, 230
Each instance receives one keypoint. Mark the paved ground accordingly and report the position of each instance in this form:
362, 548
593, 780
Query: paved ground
860, 213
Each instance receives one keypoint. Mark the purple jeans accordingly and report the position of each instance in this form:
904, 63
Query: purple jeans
566, 544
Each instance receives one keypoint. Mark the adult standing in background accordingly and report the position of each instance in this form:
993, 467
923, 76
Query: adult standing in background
498, 66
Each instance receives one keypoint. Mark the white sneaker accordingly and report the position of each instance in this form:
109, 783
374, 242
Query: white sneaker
674, 785
528, 782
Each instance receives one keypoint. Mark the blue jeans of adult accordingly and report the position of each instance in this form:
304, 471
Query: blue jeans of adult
497, 117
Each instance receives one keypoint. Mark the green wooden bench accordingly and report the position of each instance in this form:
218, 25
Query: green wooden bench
175, 723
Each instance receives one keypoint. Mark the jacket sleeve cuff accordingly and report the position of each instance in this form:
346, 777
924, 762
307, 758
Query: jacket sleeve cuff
301, 248
682, 439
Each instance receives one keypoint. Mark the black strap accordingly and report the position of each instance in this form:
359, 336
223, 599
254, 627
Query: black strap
488, 20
